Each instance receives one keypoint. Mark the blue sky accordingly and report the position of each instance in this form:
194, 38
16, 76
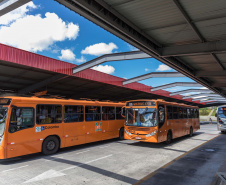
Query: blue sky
50, 29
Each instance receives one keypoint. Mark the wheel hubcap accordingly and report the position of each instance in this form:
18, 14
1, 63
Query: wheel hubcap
51, 145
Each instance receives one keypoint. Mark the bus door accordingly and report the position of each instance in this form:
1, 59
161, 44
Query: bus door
93, 123
186, 126
21, 132
110, 129
162, 127
74, 125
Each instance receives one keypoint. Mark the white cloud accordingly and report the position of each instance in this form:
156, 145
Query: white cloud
68, 55
99, 49
80, 60
146, 69
36, 33
203, 88
105, 69
17, 13
163, 67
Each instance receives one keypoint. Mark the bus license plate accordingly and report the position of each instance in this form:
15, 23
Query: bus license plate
137, 137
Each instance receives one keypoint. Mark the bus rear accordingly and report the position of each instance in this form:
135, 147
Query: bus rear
141, 121
221, 119
4, 108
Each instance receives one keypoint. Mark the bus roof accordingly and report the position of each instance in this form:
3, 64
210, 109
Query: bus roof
57, 101
163, 101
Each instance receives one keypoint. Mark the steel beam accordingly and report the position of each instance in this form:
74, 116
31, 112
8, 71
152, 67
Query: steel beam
201, 94
190, 90
215, 102
196, 49
111, 57
153, 75
7, 6
183, 84
212, 101
42, 83
209, 98
210, 73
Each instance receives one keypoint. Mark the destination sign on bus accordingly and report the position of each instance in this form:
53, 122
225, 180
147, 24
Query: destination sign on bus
5, 101
141, 103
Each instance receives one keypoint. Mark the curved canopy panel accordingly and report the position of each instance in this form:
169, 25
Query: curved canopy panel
188, 36
190, 91
182, 84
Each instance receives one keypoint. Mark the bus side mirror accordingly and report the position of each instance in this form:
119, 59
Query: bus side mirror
215, 114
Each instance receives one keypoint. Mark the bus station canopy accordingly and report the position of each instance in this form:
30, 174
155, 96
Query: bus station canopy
188, 36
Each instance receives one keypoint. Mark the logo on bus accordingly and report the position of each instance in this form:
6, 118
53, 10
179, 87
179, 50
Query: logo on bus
98, 127
39, 129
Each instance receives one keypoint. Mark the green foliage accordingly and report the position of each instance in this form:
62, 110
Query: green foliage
204, 111
213, 114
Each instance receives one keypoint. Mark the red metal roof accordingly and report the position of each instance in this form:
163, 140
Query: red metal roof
29, 59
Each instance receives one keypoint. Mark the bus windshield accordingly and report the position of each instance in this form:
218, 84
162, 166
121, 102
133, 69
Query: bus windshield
142, 117
3, 115
222, 112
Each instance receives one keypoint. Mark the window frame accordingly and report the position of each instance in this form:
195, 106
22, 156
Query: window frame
34, 119
49, 123
63, 118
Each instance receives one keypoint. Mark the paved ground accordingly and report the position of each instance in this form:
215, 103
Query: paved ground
124, 162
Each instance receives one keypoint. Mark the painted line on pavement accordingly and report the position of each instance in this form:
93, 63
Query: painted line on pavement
171, 162
14, 168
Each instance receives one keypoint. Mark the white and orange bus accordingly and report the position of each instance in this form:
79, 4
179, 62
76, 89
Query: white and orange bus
157, 120
31, 124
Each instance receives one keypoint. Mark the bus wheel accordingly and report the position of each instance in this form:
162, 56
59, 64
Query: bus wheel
191, 132
121, 134
223, 132
169, 138
50, 145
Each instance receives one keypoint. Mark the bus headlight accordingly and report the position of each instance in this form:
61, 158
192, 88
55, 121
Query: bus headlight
128, 132
151, 134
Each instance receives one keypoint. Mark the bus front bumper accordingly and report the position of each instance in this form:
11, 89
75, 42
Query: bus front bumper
143, 138
2, 153
222, 127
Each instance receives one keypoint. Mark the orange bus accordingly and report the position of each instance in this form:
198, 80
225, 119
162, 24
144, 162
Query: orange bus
31, 124
157, 120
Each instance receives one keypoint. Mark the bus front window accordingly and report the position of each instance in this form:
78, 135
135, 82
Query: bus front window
222, 113
141, 117
3, 115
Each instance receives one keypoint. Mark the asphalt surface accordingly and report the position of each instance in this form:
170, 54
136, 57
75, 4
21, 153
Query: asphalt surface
188, 160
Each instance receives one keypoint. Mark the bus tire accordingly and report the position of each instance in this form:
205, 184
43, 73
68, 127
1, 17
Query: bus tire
223, 132
191, 132
169, 137
121, 134
50, 145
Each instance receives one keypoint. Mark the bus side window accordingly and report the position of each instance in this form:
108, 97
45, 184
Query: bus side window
46, 114
108, 113
118, 113
169, 112
188, 113
92, 113
161, 111
73, 113
175, 112
185, 113
21, 118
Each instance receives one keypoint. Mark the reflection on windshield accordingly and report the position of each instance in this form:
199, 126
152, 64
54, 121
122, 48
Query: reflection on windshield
222, 113
141, 117
3, 114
